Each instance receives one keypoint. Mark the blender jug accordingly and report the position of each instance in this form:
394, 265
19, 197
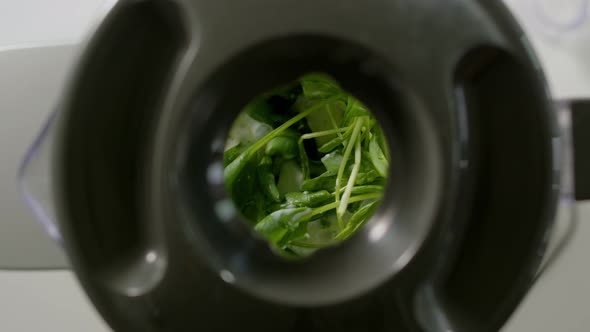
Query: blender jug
121, 174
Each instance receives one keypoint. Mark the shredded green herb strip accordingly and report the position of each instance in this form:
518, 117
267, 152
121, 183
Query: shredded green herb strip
306, 165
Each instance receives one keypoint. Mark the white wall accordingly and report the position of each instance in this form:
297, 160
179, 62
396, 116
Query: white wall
564, 50
35, 23
38, 44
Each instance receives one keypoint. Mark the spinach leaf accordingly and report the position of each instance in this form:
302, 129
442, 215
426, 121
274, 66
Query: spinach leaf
279, 223
332, 161
312, 199
326, 181
283, 146
378, 157
309, 166
231, 154
336, 142
354, 109
247, 195
267, 179
357, 220
366, 189
319, 86
367, 178
235, 167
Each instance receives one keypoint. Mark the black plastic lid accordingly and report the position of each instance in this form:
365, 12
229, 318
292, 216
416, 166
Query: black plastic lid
473, 182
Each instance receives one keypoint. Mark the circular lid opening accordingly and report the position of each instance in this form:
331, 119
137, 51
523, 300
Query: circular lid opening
305, 165
213, 178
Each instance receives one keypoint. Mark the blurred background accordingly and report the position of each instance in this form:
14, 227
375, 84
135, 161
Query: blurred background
39, 41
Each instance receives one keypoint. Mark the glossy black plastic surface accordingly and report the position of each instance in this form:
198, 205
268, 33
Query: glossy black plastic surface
472, 193
581, 141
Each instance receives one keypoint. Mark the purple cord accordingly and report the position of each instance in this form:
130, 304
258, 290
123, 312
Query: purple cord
34, 204
575, 23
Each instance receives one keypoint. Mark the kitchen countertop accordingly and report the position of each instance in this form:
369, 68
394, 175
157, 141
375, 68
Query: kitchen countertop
561, 298
53, 301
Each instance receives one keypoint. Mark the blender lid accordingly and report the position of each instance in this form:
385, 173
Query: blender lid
458, 92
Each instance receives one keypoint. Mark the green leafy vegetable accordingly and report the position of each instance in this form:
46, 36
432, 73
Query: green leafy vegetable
326, 181
306, 164
279, 223
267, 179
307, 198
358, 219
283, 146
231, 154
378, 157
